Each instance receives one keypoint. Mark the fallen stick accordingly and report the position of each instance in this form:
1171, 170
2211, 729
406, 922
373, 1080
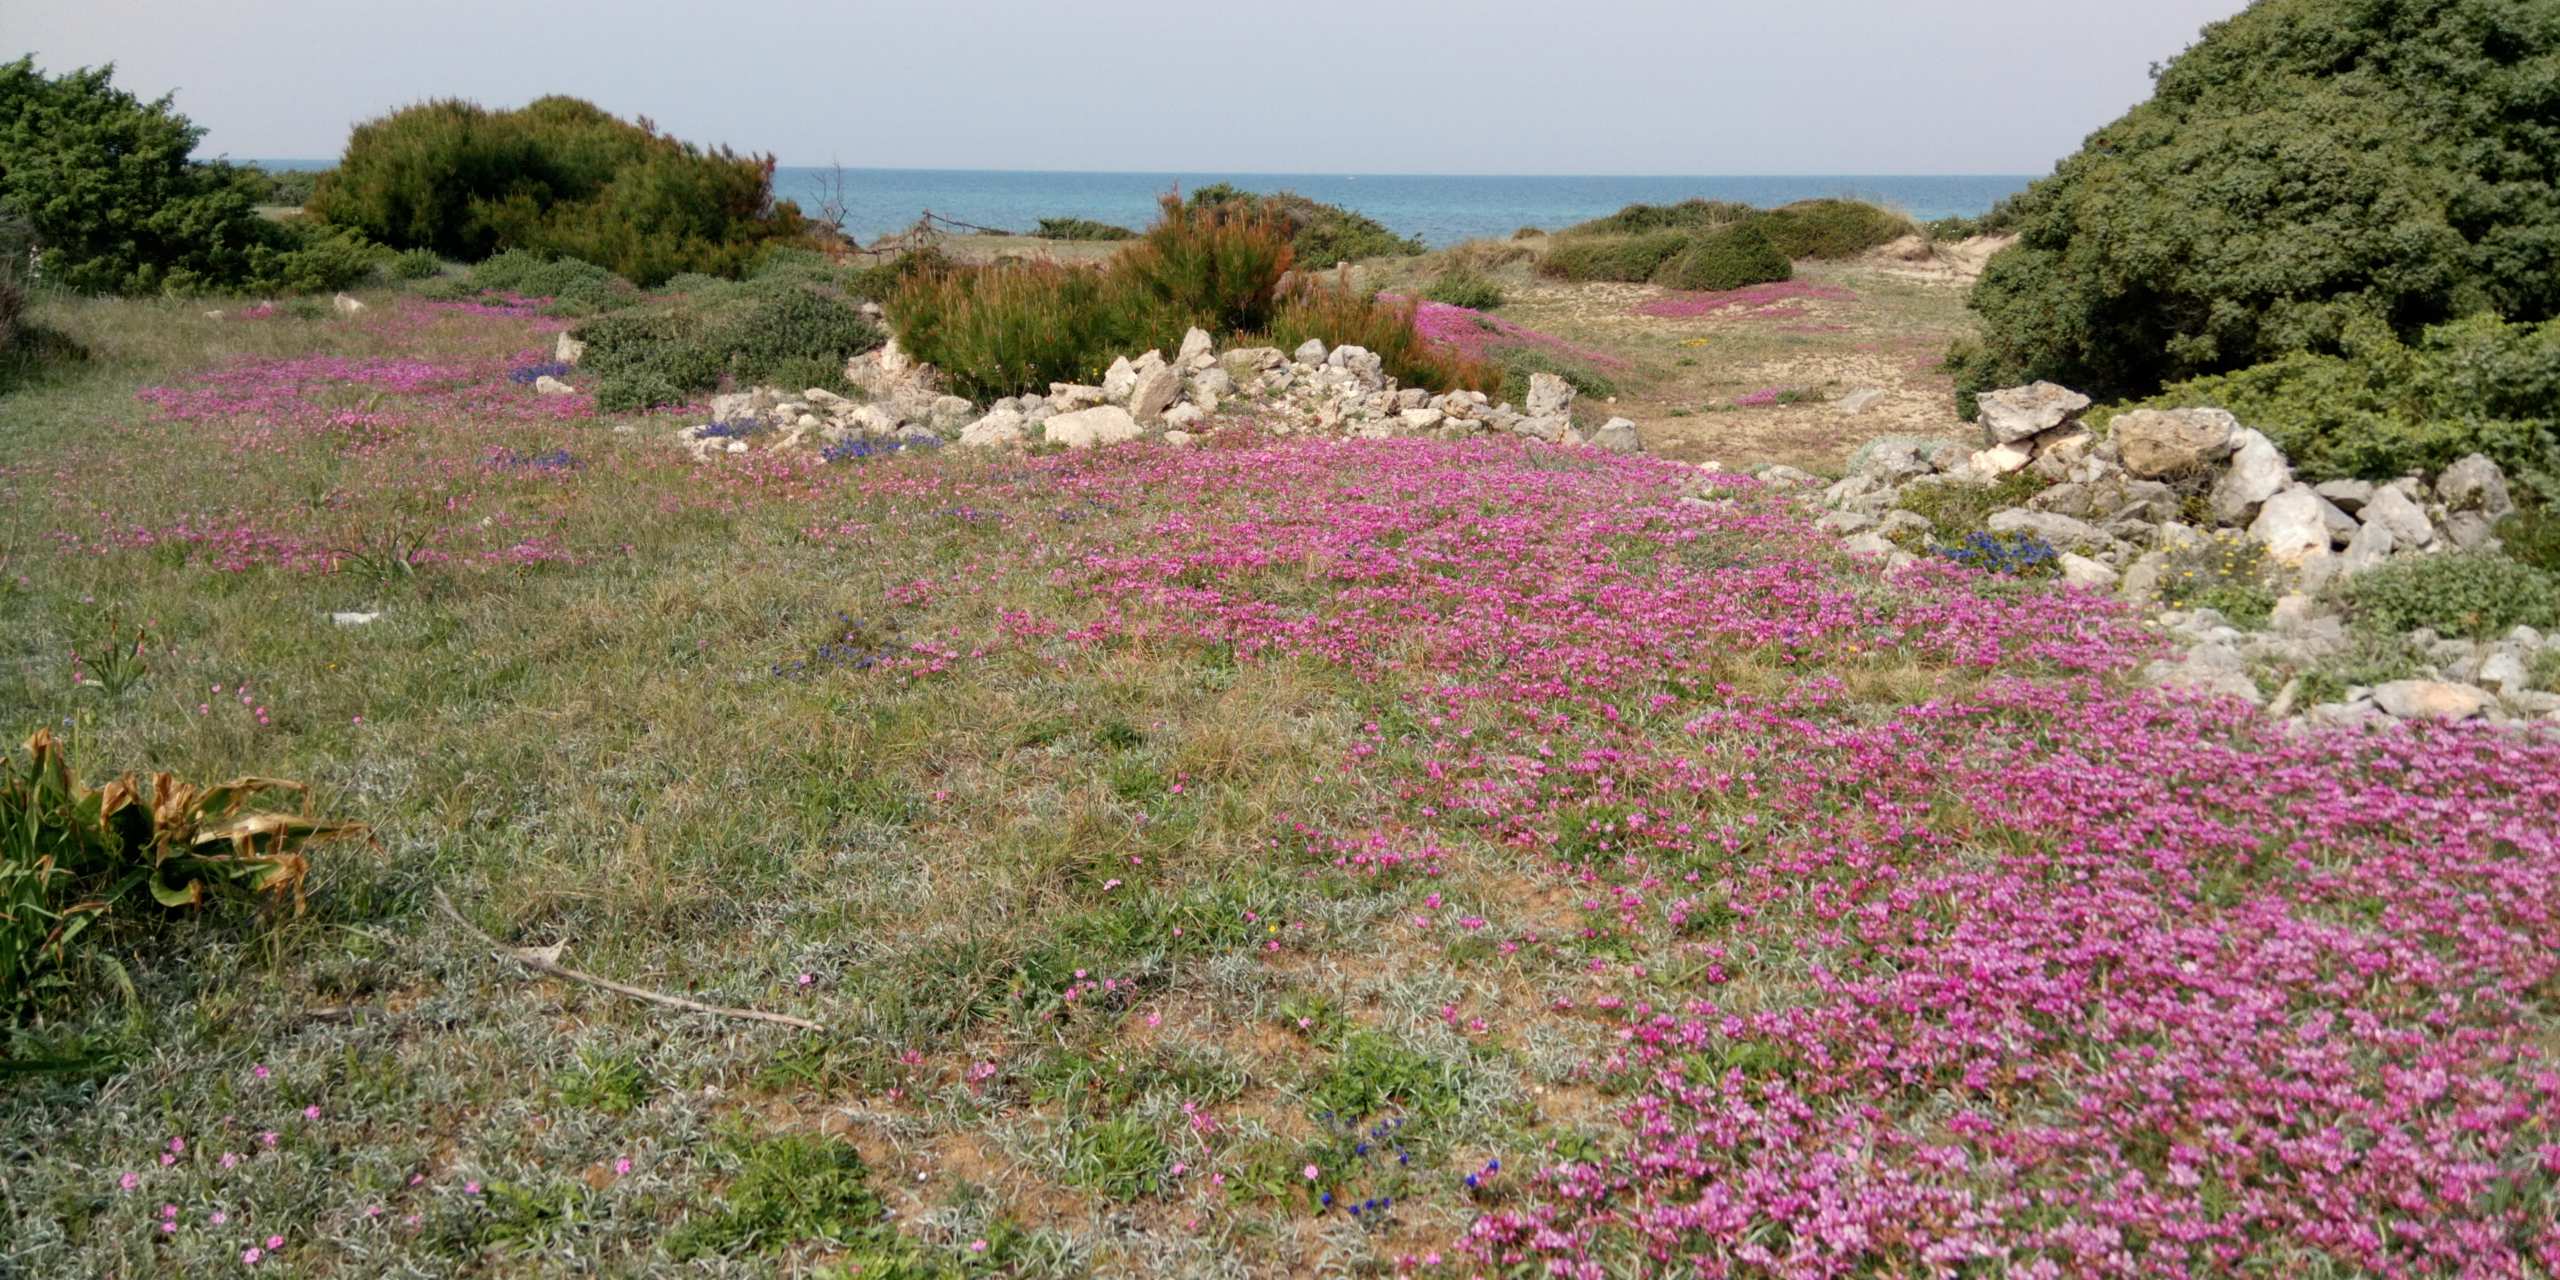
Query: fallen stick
545, 960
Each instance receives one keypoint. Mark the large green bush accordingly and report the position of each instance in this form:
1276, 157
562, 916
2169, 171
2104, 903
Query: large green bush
2308, 163
1726, 258
1628, 259
104, 184
557, 176
2386, 408
1831, 228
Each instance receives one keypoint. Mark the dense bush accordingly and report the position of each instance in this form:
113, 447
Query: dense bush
2532, 536
1003, 330
780, 331
1726, 258
299, 258
1711, 245
1688, 215
104, 184
2386, 408
1628, 259
1213, 265
283, 188
557, 176
1460, 287
1080, 229
2462, 594
2307, 164
1830, 228
1321, 235
415, 264
576, 286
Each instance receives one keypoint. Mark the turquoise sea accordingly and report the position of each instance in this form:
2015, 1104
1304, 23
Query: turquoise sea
1439, 209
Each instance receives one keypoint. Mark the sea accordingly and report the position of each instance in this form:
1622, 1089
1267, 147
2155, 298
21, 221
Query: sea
1438, 209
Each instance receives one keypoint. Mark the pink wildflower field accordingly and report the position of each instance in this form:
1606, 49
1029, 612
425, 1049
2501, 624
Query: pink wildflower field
1757, 912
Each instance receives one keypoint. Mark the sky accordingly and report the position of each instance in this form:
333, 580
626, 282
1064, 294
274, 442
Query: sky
1684, 87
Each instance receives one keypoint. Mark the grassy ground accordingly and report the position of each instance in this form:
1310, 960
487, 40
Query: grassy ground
1753, 375
1181, 850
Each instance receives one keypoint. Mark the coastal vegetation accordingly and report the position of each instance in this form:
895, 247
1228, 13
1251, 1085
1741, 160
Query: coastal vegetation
2306, 173
557, 176
1315, 830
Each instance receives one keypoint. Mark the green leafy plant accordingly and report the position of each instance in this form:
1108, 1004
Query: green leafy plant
72, 856
1830, 228
1955, 511
2305, 164
2470, 593
1519, 364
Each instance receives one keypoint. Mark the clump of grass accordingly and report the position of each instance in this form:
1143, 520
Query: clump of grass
1462, 287
790, 1189
1123, 1157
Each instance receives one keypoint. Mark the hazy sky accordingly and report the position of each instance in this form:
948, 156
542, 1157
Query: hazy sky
1349, 86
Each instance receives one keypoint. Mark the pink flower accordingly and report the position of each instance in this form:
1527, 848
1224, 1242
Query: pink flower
252, 1254
1311, 1173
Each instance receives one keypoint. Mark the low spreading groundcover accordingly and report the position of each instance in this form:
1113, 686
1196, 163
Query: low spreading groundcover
1506, 859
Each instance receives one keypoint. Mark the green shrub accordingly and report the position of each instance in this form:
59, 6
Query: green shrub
792, 331
2470, 593
1461, 287
1004, 330
557, 176
1630, 259
881, 281
104, 184
2227, 572
1320, 235
415, 264
2306, 164
2532, 536
572, 285
1688, 215
281, 188
310, 259
1831, 228
71, 857
1080, 229
1725, 259
2386, 408
1214, 265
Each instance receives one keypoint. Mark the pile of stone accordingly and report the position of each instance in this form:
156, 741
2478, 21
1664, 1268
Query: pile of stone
1315, 390
2117, 508
901, 405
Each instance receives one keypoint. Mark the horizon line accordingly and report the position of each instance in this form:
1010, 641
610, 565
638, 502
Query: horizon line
1244, 173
